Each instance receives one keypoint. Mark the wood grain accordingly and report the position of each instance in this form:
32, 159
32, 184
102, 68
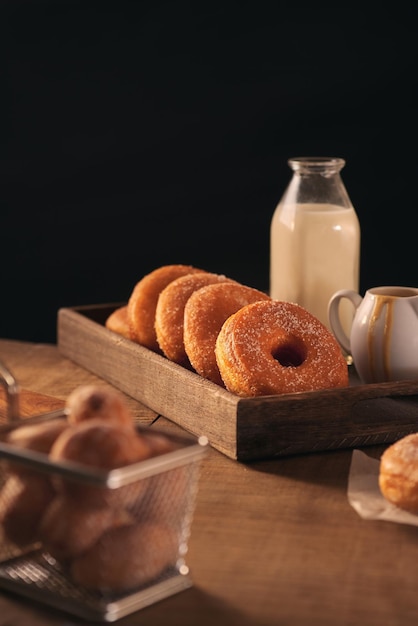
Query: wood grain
273, 542
32, 403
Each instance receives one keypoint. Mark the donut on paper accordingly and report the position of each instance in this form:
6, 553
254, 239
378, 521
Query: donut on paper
398, 473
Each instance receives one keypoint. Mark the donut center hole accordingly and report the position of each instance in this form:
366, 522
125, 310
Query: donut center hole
292, 353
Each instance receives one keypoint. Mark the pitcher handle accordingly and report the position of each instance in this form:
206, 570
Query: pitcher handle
334, 315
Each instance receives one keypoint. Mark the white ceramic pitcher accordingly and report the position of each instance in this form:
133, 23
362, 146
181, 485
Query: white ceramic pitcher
384, 334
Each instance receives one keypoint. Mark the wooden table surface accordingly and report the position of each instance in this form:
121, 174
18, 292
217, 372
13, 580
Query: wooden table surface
272, 543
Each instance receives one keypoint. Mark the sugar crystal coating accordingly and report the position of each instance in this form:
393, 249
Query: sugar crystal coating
204, 314
274, 347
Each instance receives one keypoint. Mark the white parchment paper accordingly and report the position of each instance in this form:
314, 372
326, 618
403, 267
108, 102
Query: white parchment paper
364, 494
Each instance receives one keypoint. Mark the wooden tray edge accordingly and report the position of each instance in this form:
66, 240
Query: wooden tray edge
165, 387
242, 428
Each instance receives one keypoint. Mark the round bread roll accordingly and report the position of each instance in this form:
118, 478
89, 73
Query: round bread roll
398, 473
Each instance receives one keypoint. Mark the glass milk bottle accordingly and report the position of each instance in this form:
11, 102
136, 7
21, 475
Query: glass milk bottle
315, 239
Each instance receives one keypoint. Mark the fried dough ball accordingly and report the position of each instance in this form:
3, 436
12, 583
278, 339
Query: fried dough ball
398, 473
166, 497
99, 444
37, 437
22, 504
126, 557
88, 402
102, 445
158, 442
68, 529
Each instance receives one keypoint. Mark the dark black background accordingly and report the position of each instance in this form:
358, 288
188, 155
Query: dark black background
137, 134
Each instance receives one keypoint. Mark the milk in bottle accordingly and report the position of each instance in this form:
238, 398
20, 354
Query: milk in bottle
315, 239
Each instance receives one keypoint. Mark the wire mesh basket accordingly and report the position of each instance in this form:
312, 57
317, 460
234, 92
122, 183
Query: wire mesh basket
97, 544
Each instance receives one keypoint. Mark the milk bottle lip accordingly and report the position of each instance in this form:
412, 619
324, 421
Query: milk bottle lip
316, 162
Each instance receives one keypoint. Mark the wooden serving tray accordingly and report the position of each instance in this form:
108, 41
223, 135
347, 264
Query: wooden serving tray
245, 429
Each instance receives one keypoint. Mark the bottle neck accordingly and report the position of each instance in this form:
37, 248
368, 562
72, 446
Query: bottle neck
317, 180
324, 166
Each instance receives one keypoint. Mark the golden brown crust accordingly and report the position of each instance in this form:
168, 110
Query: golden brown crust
169, 314
106, 539
127, 557
166, 497
68, 529
37, 437
23, 501
143, 302
118, 322
398, 473
204, 314
272, 347
98, 444
88, 402
158, 442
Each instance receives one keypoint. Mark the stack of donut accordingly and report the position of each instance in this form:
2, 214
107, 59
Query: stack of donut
105, 539
229, 333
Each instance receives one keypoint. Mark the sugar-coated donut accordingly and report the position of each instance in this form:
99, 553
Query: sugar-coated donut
143, 302
273, 347
67, 529
88, 402
117, 321
169, 313
126, 557
398, 473
204, 314
23, 501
